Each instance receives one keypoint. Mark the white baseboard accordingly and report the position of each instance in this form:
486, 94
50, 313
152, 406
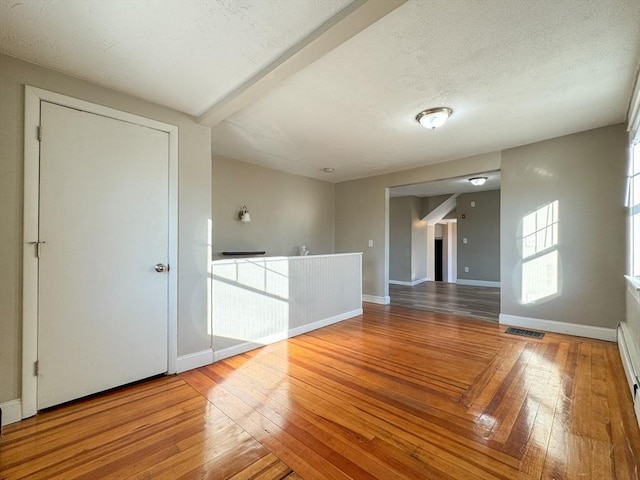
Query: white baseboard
599, 333
11, 411
194, 360
261, 342
407, 284
375, 299
323, 323
243, 347
477, 283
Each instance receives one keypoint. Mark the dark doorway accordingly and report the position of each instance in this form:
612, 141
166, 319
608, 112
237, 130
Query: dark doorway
438, 260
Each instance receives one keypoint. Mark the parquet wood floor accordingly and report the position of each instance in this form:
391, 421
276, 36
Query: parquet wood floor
442, 297
393, 394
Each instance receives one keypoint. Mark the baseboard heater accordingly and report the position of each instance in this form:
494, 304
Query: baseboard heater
629, 370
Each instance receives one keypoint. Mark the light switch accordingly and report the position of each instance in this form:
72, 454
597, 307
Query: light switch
464, 240
473, 204
370, 243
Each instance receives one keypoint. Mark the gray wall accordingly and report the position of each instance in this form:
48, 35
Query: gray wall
400, 238
418, 243
287, 211
407, 240
362, 215
481, 228
194, 208
585, 173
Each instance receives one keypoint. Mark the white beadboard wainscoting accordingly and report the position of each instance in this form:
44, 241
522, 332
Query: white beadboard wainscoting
257, 301
629, 341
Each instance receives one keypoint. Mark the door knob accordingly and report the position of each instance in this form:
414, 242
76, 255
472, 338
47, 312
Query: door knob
161, 268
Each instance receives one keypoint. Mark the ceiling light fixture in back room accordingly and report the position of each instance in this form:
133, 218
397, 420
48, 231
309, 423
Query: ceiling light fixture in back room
477, 181
434, 117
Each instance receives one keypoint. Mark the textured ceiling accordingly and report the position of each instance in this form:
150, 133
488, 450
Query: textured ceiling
513, 71
183, 54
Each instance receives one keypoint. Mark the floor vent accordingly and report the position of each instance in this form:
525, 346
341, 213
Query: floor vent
524, 333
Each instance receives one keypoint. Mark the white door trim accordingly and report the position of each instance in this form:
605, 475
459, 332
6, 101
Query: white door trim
33, 96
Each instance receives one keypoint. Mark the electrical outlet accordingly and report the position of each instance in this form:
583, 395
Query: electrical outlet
473, 204
466, 269
464, 240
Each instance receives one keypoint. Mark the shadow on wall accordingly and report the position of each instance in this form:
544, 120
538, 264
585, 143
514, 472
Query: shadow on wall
257, 301
251, 301
540, 261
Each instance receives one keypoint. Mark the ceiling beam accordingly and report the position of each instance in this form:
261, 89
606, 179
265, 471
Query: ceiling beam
334, 32
442, 210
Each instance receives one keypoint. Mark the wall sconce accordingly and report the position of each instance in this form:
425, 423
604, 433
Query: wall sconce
243, 215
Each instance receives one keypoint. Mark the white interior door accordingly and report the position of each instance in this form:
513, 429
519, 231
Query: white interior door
102, 306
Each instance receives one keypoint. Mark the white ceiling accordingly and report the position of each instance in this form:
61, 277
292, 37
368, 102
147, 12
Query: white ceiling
185, 54
513, 71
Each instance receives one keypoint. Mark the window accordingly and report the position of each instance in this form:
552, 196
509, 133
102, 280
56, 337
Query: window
633, 202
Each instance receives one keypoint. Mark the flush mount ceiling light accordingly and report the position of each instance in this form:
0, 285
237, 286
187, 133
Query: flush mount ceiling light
477, 181
329, 170
434, 117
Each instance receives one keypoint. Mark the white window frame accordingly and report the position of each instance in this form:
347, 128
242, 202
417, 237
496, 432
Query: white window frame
633, 127
633, 208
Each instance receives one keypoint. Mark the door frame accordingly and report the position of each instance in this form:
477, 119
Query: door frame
32, 98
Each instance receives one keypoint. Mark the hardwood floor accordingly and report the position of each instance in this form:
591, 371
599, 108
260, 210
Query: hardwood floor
393, 394
157, 429
442, 297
